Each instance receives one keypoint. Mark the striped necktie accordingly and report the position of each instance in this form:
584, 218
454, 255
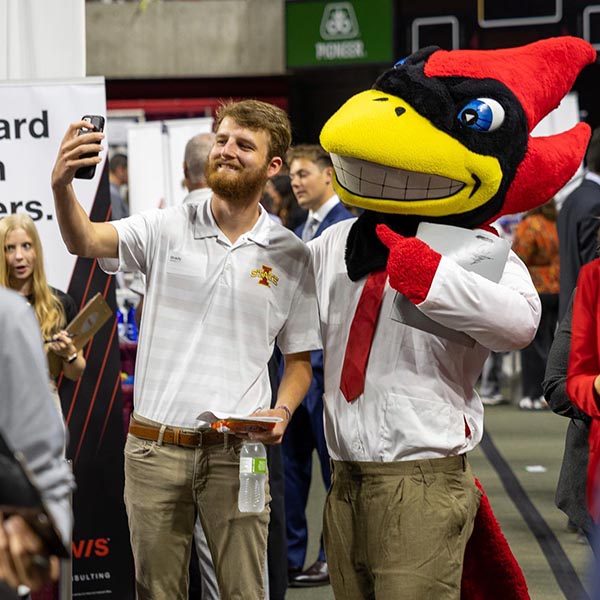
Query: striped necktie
361, 334
311, 226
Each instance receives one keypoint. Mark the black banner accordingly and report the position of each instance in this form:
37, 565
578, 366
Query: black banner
93, 410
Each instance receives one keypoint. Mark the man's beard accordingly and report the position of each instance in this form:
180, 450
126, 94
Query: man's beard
236, 186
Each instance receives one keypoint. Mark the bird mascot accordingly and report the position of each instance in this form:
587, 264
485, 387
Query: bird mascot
444, 138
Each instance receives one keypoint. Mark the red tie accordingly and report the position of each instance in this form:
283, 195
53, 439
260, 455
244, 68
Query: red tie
361, 335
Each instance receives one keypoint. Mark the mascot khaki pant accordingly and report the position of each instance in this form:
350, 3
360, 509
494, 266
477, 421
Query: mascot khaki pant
399, 530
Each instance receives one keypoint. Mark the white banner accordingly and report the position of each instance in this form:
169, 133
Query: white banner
42, 39
146, 167
155, 159
33, 120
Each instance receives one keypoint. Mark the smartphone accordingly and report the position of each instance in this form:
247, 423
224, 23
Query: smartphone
96, 124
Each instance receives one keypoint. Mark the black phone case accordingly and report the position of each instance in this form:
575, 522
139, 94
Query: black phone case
98, 125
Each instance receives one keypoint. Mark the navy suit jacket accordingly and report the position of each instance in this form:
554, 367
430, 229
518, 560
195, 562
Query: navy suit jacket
338, 213
577, 226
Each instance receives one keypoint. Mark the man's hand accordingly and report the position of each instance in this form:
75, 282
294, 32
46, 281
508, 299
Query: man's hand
72, 147
275, 435
23, 560
81, 236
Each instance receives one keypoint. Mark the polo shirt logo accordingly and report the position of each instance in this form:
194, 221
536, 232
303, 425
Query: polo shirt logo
266, 276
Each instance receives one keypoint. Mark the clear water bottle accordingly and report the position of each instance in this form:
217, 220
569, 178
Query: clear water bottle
253, 472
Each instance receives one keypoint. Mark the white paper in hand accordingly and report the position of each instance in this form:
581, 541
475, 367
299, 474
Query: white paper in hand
474, 250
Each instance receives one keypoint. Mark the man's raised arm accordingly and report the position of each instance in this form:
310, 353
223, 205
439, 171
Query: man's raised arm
81, 236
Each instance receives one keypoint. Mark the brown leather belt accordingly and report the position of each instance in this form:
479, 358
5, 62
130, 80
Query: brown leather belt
176, 436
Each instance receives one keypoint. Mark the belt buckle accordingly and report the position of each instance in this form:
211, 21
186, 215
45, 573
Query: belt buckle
209, 430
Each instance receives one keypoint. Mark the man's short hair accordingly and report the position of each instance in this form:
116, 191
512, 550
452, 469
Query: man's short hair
257, 116
592, 156
196, 155
117, 161
312, 152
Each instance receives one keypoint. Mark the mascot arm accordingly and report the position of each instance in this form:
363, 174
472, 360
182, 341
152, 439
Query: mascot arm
500, 316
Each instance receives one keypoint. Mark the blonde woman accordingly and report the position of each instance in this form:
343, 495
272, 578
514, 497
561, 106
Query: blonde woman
22, 270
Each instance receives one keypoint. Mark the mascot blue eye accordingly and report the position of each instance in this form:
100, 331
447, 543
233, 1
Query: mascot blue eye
400, 63
482, 114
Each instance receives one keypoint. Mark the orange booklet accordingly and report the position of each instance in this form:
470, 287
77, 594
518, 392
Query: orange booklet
224, 422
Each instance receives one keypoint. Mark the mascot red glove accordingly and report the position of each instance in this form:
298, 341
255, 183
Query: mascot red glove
411, 264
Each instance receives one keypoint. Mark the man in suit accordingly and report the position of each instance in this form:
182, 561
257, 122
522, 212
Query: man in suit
118, 177
571, 487
311, 175
577, 225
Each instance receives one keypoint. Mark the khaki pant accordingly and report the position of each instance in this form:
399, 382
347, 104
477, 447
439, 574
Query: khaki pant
165, 486
399, 530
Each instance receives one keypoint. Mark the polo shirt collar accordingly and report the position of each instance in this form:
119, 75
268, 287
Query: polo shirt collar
261, 232
205, 225
198, 195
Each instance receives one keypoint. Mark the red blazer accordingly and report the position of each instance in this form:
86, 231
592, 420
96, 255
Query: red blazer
584, 366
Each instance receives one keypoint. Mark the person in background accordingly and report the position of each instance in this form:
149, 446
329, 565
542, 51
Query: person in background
266, 201
571, 487
583, 373
536, 243
118, 177
22, 270
285, 206
494, 378
195, 158
577, 224
30, 425
224, 282
311, 173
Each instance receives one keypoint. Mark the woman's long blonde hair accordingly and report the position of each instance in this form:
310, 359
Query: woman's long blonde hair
48, 308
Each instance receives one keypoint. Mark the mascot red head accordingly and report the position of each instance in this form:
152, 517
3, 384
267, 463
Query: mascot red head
445, 136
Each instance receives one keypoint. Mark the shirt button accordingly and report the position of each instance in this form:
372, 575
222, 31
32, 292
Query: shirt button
357, 446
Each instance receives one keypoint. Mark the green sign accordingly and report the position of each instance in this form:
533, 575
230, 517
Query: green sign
332, 33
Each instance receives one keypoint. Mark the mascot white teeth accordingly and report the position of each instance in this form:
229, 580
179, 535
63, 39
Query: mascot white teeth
442, 139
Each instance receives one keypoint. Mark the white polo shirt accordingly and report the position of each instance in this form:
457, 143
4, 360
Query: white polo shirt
213, 310
419, 395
